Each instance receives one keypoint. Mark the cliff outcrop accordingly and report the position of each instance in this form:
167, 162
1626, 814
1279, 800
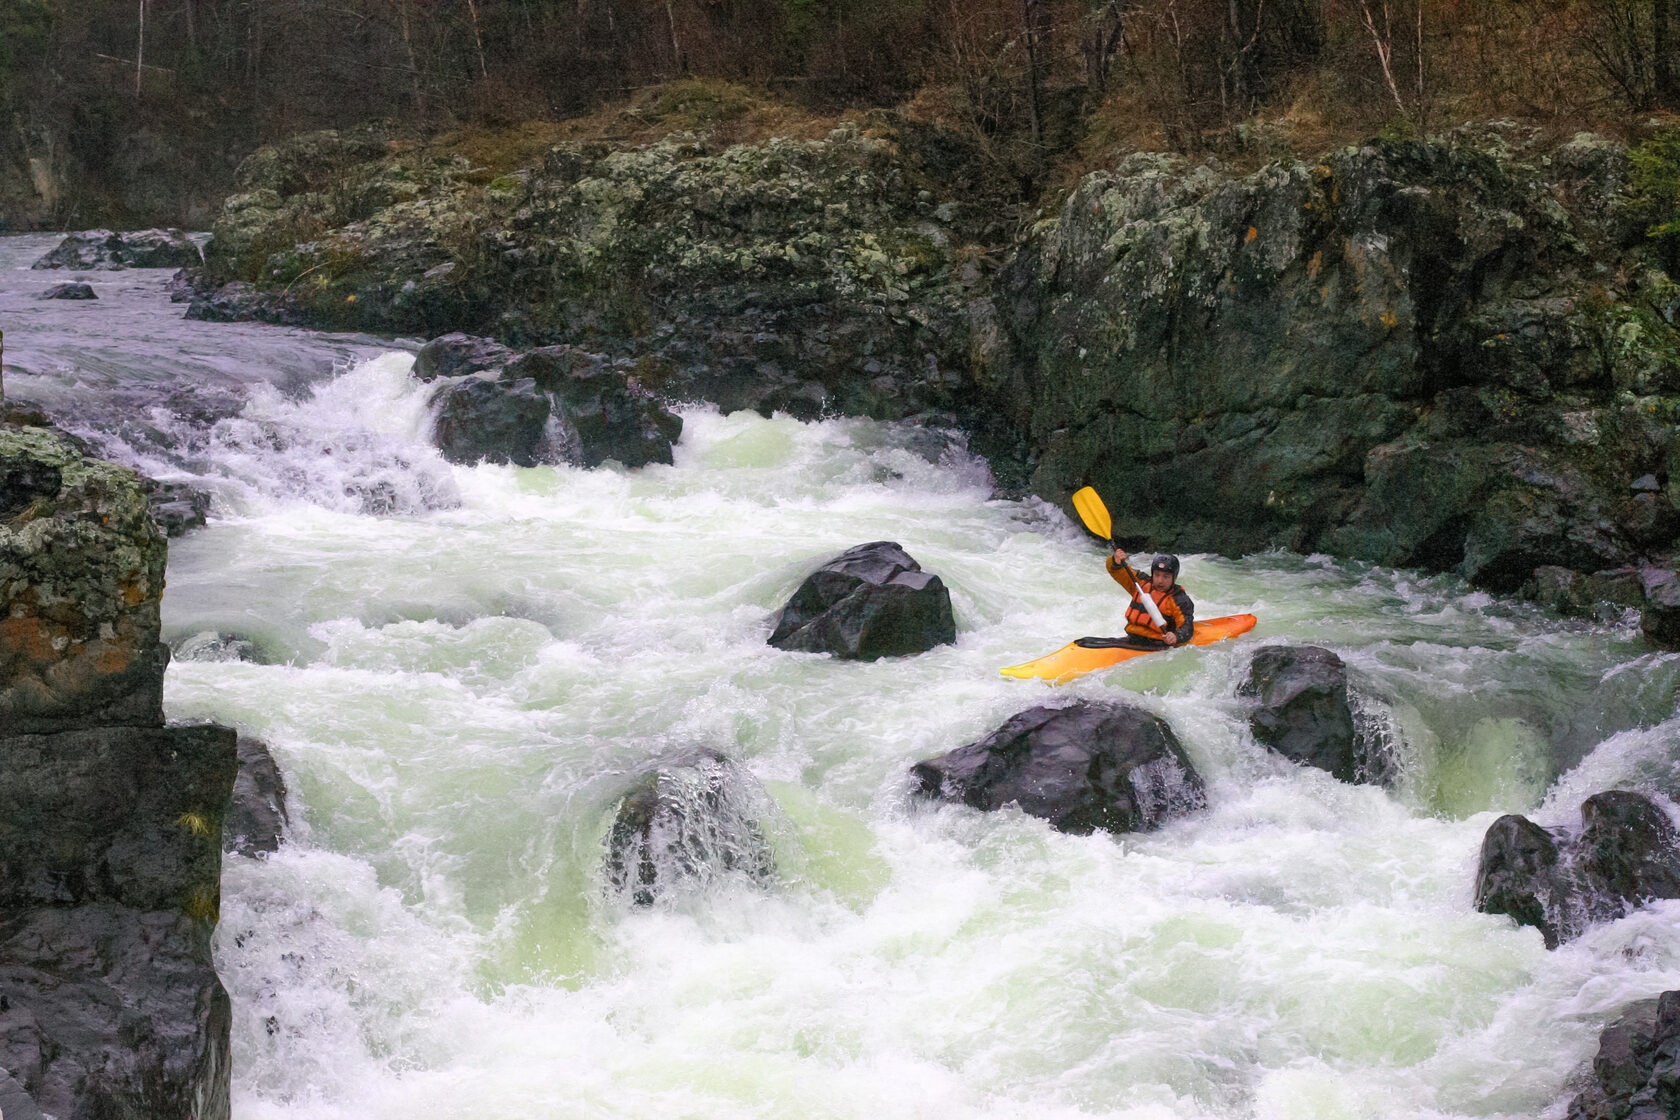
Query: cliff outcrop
110, 821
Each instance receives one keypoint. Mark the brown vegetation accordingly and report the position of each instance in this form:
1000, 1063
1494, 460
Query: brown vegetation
1047, 87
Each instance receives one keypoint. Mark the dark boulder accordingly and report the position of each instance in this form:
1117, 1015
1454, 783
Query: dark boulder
614, 417
1626, 853
238, 302
1601, 596
482, 420
1636, 1072
1660, 617
256, 817
691, 821
103, 250
179, 507
1303, 712
1519, 874
869, 602
453, 355
1082, 767
73, 289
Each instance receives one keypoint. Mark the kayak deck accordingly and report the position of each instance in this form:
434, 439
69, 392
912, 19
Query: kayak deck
1074, 660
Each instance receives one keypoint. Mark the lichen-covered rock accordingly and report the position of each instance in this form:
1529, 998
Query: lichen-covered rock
1626, 853
103, 250
871, 601
1636, 1072
1082, 767
81, 580
805, 276
1660, 616
1405, 352
1302, 711
695, 818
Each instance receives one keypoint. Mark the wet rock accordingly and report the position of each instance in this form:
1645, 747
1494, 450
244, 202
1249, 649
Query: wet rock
74, 289
238, 302
211, 645
871, 601
1660, 616
456, 354
81, 580
480, 420
179, 507
1519, 874
15, 1101
1303, 712
1081, 767
103, 250
109, 887
1636, 1072
686, 824
1626, 853
1601, 596
614, 417
256, 816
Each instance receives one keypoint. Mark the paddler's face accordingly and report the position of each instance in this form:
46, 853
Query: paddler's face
1161, 580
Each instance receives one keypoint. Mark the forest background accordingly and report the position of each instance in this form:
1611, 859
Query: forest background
129, 112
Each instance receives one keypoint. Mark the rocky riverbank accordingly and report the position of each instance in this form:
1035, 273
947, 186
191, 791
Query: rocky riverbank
110, 851
1454, 354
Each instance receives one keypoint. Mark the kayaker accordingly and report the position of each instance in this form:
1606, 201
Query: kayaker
1162, 586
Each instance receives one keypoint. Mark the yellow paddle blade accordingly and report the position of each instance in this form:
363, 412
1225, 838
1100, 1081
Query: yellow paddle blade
1091, 510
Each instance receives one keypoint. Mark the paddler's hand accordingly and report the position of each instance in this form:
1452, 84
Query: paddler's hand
1170, 638
1119, 555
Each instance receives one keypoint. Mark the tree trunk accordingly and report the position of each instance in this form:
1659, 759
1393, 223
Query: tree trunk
1662, 69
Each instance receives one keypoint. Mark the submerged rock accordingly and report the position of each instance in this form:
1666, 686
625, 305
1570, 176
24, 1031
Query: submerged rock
74, 289
1636, 1072
256, 816
1081, 767
1626, 853
1303, 712
871, 601
480, 420
179, 507
101, 249
694, 819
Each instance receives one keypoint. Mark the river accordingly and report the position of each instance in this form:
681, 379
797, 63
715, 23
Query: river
462, 668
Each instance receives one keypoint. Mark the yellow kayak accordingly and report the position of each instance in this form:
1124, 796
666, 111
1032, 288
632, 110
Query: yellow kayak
1075, 660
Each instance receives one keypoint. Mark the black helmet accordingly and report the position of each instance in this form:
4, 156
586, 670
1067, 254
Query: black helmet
1166, 562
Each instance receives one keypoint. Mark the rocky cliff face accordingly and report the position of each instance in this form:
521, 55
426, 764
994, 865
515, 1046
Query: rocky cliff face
110, 822
1428, 354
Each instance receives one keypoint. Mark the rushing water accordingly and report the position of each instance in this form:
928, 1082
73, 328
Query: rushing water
464, 668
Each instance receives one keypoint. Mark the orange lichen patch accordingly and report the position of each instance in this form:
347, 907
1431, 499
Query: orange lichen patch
133, 594
1389, 318
1315, 264
1252, 234
30, 637
111, 657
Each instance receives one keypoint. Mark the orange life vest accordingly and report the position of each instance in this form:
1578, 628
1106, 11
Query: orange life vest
1138, 622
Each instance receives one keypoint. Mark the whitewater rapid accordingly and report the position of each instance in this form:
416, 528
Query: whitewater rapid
463, 668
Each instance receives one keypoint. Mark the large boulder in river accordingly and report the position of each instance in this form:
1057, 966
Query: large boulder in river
613, 415
1626, 853
1636, 1072
1081, 767
869, 602
73, 289
695, 818
81, 581
103, 250
1302, 711
482, 419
